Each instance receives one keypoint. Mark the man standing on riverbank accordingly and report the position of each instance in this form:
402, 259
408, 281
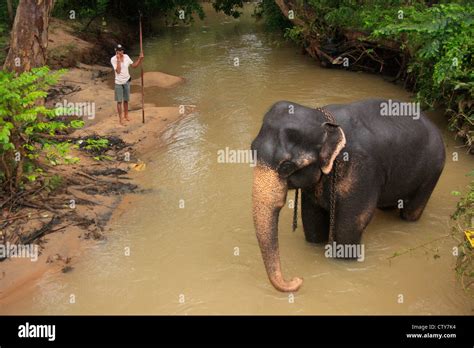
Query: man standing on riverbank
121, 62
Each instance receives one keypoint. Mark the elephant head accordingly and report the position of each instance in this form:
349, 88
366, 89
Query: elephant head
293, 150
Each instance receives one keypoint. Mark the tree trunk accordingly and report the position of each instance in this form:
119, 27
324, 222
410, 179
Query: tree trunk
10, 10
28, 43
285, 8
29, 36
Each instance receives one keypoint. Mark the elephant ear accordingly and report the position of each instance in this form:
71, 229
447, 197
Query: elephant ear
334, 142
295, 158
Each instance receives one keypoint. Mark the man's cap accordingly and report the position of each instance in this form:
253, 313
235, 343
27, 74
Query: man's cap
119, 47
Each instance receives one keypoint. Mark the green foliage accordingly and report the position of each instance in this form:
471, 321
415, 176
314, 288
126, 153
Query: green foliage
272, 16
295, 34
5, 25
465, 207
440, 43
4, 18
229, 7
129, 10
27, 127
369, 15
53, 182
58, 153
463, 218
82, 8
96, 146
437, 41
3, 42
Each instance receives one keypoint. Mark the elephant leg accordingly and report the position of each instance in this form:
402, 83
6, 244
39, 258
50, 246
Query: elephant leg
315, 219
353, 214
388, 207
416, 205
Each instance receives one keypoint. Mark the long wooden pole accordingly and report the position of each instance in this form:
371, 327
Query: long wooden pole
141, 66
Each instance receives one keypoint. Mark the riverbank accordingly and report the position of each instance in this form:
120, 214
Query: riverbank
427, 48
188, 247
71, 213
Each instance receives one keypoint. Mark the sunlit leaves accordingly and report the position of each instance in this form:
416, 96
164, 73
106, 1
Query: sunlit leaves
27, 126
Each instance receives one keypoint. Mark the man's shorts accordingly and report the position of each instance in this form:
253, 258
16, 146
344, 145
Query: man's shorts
122, 92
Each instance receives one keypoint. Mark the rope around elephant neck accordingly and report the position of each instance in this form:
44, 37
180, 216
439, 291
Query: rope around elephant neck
332, 193
334, 176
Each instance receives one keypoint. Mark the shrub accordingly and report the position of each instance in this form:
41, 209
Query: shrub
28, 127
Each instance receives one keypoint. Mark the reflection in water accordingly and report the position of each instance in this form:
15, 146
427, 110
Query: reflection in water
192, 242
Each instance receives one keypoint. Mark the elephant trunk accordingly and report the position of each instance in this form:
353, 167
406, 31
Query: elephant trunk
268, 197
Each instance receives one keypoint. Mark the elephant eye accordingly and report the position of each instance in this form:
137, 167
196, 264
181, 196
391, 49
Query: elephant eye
286, 168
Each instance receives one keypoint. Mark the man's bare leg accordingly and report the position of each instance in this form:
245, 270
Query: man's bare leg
125, 110
119, 110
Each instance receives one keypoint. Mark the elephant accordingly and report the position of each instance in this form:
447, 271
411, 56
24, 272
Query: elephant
383, 161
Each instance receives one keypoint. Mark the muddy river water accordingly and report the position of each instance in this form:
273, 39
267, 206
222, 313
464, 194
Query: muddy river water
189, 246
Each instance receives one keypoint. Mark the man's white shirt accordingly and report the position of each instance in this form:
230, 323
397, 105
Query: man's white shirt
124, 75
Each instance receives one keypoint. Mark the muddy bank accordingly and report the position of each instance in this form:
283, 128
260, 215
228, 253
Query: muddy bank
71, 42
71, 213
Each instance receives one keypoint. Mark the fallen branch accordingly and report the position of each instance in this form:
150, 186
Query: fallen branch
18, 217
40, 232
396, 254
86, 175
